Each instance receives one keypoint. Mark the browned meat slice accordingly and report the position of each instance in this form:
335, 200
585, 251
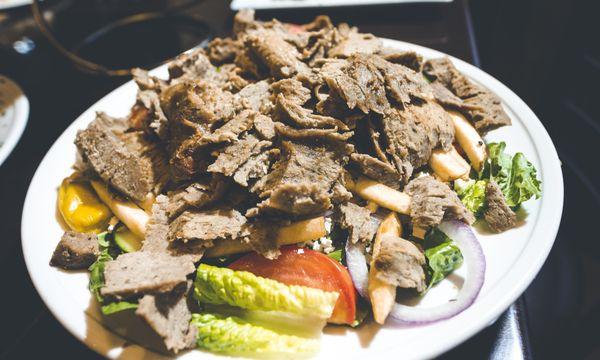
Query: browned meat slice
75, 251
169, 315
498, 214
231, 130
281, 58
410, 59
201, 102
377, 170
236, 154
256, 167
157, 230
262, 237
292, 90
358, 83
144, 272
264, 126
309, 165
289, 112
223, 50
401, 83
243, 21
299, 199
193, 111
446, 97
358, 221
202, 227
399, 262
374, 136
255, 97
326, 135
197, 194
413, 133
484, 108
195, 66
127, 161
433, 201
356, 42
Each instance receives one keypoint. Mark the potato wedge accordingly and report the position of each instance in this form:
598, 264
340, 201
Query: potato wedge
382, 294
128, 212
297, 232
382, 195
469, 139
449, 165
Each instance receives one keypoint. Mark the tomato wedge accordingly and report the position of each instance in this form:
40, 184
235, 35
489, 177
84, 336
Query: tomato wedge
301, 266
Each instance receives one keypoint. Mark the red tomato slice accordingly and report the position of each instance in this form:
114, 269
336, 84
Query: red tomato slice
301, 266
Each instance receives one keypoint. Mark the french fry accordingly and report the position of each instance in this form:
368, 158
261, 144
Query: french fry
382, 195
449, 165
128, 212
468, 138
297, 232
382, 294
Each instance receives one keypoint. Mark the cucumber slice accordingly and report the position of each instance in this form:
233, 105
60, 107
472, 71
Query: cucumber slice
127, 241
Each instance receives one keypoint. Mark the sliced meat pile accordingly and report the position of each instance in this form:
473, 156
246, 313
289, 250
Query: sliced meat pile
271, 126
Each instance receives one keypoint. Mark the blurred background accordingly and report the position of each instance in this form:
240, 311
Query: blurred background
547, 51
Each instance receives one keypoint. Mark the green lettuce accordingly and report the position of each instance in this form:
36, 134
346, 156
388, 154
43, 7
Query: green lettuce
96, 270
336, 255
116, 307
222, 286
442, 254
515, 175
472, 194
233, 335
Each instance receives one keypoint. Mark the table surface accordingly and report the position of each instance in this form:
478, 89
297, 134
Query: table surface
58, 93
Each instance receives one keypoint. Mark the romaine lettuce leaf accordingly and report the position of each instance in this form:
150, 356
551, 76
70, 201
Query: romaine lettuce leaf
472, 194
222, 286
515, 175
116, 307
233, 335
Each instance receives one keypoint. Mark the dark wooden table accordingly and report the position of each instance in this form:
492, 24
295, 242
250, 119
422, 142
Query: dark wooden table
58, 93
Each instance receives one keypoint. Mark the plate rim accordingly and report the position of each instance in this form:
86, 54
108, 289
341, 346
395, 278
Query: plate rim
551, 208
20, 119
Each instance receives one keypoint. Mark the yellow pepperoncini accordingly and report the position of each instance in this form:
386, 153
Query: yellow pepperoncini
81, 208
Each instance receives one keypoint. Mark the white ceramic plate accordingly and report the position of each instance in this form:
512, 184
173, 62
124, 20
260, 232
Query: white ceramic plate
14, 112
9, 4
287, 4
513, 257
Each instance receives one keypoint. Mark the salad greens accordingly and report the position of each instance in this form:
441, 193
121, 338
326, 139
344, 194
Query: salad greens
243, 313
97, 276
442, 254
233, 335
472, 194
222, 286
515, 175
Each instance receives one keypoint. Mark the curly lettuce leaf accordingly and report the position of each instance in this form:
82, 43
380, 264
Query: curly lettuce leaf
235, 336
515, 175
471, 194
442, 254
222, 286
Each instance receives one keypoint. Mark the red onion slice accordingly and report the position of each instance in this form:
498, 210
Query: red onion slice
468, 244
357, 266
